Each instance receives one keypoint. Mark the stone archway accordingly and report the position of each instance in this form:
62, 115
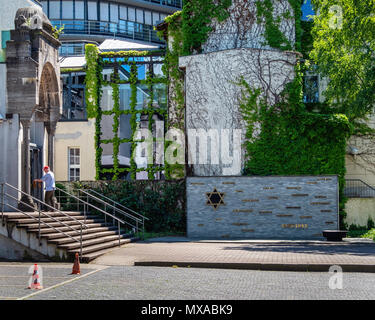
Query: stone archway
49, 108
33, 86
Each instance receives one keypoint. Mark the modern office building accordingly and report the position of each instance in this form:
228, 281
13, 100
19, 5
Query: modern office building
114, 25
100, 20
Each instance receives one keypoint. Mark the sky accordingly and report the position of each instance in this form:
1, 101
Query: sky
307, 10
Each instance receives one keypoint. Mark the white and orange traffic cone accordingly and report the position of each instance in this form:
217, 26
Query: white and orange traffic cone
76, 266
35, 279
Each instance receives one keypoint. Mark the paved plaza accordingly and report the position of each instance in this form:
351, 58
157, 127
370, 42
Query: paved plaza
155, 283
179, 269
357, 255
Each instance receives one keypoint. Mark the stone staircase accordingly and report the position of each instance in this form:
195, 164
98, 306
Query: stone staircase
100, 226
98, 238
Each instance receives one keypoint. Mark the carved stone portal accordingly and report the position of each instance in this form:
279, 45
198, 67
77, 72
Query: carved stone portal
33, 86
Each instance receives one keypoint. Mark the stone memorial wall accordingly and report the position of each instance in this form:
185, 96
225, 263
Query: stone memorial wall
275, 207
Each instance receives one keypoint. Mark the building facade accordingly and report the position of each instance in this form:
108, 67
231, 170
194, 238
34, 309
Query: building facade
31, 96
115, 25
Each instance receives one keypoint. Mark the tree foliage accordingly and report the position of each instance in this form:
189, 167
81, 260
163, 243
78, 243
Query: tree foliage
344, 52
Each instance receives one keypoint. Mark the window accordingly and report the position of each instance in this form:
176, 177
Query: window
155, 18
123, 13
5, 36
67, 10
114, 12
311, 89
131, 14
140, 16
74, 164
45, 7
92, 10
104, 11
80, 10
54, 10
148, 18
162, 17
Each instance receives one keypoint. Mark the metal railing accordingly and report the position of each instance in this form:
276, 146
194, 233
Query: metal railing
170, 3
85, 205
117, 207
356, 188
6, 196
122, 29
130, 219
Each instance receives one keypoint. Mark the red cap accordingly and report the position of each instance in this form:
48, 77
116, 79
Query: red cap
46, 167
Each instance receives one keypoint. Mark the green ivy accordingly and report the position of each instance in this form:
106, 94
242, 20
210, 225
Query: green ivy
94, 81
274, 37
70, 70
306, 38
197, 15
291, 140
162, 202
189, 29
131, 53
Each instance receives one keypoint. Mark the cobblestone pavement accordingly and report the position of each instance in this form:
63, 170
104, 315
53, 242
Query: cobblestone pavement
14, 277
271, 252
156, 283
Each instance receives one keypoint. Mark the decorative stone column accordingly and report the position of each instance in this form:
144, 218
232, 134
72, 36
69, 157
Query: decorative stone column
26, 203
51, 129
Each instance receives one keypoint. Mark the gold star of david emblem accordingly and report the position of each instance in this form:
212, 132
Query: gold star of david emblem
215, 199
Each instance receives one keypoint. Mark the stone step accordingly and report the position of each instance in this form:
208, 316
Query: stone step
58, 224
90, 256
48, 220
74, 227
87, 236
101, 246
55, 236
98, 238
86, 243
16, 215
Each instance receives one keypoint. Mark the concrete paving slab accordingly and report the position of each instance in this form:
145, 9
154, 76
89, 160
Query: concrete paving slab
356, 256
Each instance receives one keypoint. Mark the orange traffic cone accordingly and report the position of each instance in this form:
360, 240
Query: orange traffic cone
76, 266
35, 281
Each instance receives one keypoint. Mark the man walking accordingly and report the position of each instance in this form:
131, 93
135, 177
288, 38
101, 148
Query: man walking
49, 180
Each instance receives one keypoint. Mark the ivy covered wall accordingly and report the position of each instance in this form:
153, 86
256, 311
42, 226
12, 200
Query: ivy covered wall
135, 70
290, 138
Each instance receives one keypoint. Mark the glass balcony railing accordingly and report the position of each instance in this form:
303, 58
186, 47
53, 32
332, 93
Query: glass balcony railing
122, 29
169, 3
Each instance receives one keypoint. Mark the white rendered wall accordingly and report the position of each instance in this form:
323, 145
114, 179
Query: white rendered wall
242, 30
213, 95
3, 95
10, 145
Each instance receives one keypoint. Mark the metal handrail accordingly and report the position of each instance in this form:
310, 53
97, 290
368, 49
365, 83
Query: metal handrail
111, 206
98, 209
131, 30
44, 213
362, 182
117, 203
43, 203
358, 188
3, 194
42, 222
116, 209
